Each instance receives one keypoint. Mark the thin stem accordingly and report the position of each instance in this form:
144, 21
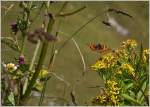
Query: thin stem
34, 55
43, 91
62, 8
79, 50
71, 13
39, 66
38, 13
41, 59
79, 29
53, 52
23, 43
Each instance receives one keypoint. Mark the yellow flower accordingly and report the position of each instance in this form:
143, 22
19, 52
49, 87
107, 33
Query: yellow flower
146, 55
111, 83
129, 44
114, 99
43, 73
129, 68
119, 72
121, 53
109, 59
101, 99
10, 67
98, 65
146, 52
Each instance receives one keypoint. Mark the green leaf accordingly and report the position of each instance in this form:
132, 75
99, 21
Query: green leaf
10, 43
129, 86
38, 87
129, 98
25, 85
143, 87
11, 98
24, 67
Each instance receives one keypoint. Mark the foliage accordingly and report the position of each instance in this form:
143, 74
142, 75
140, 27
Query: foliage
20, 78
125, 73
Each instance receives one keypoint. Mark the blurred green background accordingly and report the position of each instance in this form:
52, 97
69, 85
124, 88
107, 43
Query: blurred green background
68, 63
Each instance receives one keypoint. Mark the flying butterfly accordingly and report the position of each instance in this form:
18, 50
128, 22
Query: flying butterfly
100, 48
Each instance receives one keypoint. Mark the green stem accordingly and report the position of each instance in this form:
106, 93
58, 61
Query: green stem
41, 59
62, 8
71, 13
39, 66
43, 91
34, 56
79, 29
23, 43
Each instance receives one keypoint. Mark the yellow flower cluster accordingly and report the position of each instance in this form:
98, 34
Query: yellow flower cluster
110, 97
126, 67
99, 100
121, 53
113, 91
107, 61
98, 65
146, 52
129, 44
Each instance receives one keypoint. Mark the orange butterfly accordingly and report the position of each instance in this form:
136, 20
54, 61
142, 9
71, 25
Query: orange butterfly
98, 47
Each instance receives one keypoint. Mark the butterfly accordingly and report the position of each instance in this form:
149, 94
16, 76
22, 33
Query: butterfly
100, 48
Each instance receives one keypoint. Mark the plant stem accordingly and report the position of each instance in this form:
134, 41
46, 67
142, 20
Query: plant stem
71, 13
23, 43
41, 59
43, 91
39, 66
79, 29
35, 55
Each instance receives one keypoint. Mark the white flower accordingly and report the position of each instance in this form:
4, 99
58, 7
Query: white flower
10, 67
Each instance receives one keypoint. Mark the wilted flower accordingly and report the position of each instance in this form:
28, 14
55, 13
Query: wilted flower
40, 34
14, 27
21, 60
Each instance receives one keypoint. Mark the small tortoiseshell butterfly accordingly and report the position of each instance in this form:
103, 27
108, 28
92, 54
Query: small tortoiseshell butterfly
98, 47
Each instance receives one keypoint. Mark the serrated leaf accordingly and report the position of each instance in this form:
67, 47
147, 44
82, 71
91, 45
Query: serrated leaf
10, 44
